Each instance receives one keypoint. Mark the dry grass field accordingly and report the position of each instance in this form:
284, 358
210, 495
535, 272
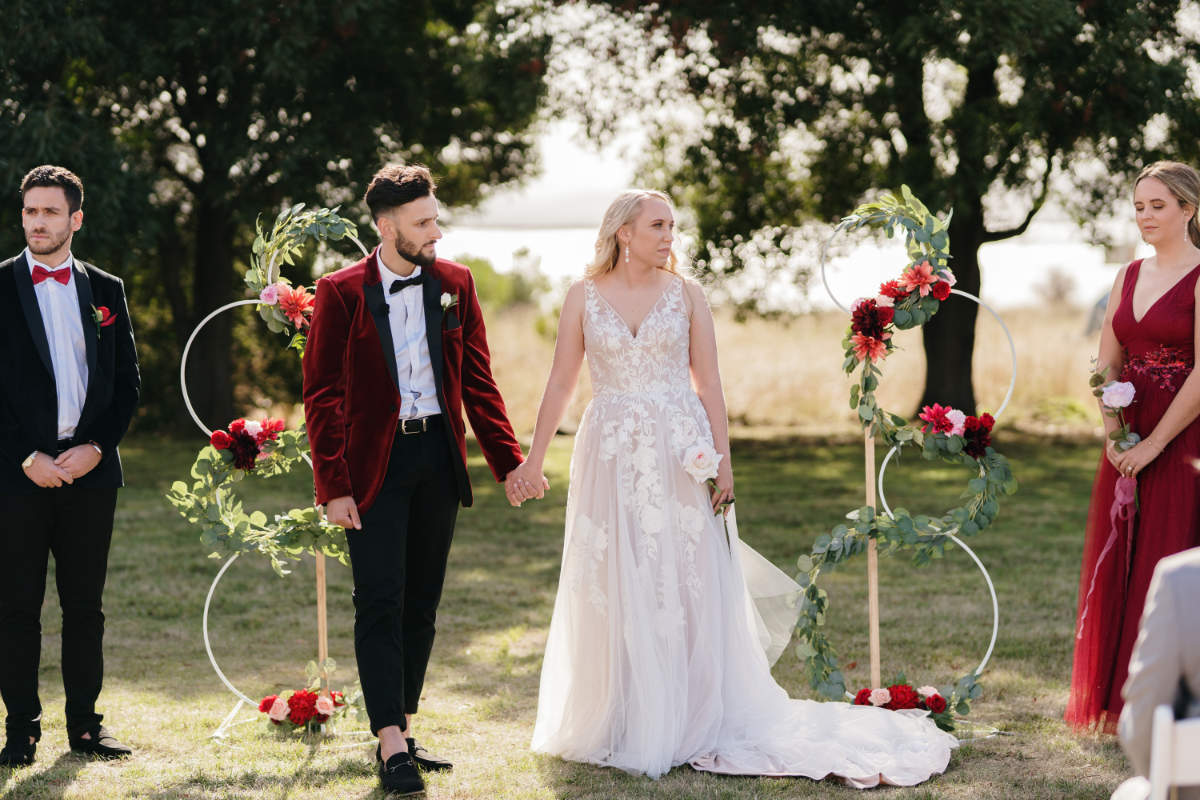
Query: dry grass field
784, 376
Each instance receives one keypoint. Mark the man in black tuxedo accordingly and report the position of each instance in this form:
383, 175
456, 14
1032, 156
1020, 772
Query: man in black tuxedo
68, 390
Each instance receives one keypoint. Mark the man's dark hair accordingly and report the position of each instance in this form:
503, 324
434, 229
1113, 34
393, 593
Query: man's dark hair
397, 184
63, 178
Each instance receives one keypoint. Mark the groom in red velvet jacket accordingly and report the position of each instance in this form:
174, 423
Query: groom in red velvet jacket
397, 350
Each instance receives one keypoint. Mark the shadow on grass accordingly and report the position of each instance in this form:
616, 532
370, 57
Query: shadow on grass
51, 783
252, 779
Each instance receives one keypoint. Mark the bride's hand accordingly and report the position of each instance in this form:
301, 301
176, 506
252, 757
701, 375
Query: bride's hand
723, 493
525, 483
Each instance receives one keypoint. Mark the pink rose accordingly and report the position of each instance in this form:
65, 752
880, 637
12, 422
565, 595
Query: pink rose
947, 275
269, 294
324, 705
1117, 394
279, 710
880, 697
958, 423
883, 301
926, 691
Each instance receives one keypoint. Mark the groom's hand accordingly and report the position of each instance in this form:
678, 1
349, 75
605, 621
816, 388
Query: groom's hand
79, 460
45, 473
343, 511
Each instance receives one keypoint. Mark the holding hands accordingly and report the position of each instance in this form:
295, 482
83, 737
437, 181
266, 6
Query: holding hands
526, 482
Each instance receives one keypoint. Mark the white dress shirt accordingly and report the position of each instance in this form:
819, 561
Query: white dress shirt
63, 322
414, 368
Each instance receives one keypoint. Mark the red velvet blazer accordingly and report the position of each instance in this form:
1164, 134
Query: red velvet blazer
351, 395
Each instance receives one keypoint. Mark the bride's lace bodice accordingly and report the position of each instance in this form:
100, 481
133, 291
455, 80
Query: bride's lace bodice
656, 360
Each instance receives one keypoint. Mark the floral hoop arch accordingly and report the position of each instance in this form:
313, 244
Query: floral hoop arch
908, 302
211, 500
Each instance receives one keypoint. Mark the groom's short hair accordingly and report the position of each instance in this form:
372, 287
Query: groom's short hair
397, 184
49, 175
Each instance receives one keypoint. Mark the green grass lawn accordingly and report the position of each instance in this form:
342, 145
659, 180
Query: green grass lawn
162, 697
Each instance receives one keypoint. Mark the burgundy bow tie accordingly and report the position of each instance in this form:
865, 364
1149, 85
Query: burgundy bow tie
40, 274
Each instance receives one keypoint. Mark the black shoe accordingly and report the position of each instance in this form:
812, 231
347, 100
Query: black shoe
17, 752
399, 776
102, 745
425, 759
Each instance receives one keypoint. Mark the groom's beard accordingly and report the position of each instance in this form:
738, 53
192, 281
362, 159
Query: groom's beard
414, 253
50, 244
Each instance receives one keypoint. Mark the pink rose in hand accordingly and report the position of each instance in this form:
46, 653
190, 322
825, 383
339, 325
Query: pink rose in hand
700, 461
1118, 394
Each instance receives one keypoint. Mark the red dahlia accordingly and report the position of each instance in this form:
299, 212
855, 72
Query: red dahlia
866, 319
977, 432
893, 289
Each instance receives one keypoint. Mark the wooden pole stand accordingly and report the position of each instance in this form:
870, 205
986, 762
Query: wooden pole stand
322, 624
872, 565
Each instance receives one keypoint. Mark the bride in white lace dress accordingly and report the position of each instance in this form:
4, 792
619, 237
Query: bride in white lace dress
657, 653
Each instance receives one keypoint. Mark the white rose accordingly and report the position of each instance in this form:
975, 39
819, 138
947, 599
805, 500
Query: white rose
880, 697
1117, 394
279, 710
700, 461
447, 300
253, 428
927, 691
325, 705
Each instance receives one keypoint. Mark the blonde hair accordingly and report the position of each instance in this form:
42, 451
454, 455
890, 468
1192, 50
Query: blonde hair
623, 211
1184, 182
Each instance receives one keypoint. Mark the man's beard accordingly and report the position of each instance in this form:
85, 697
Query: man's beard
49, 246
412, 253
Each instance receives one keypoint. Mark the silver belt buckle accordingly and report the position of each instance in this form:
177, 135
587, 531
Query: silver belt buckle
419, 425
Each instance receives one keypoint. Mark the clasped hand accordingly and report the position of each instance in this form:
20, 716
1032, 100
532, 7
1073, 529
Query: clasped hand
51, 473
1132, 461
525, 483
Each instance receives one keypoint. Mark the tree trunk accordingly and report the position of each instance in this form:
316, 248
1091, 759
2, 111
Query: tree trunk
209, 369
949, 338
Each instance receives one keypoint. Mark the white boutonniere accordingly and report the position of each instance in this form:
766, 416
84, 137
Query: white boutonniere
449, 301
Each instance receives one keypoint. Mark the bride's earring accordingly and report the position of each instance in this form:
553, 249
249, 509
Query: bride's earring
626, 254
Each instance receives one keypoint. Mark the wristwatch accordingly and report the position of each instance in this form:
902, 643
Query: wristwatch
28, 462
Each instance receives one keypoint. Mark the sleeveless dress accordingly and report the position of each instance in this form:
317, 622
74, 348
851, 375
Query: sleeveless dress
1114, 579
657, 651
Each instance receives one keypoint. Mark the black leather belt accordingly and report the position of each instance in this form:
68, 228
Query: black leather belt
410, 427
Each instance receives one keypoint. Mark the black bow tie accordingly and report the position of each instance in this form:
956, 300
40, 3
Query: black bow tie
404, 283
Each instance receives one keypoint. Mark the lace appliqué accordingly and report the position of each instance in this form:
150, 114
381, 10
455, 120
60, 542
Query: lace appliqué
1168, 367
589, 544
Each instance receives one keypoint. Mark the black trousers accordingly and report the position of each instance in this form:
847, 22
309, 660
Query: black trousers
75, 525
399, 564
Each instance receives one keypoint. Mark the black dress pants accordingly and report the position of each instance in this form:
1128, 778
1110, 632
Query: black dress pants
75, 525
399, 564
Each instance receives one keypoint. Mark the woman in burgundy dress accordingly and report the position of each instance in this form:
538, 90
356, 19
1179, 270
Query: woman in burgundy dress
1149, 339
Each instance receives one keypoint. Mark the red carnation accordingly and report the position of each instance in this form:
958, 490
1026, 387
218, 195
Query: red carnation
903, 696
266, 703
936, 703
863, 698
220, 440
893, 289
941, 290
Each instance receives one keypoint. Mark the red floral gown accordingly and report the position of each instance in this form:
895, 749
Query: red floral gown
1117, 569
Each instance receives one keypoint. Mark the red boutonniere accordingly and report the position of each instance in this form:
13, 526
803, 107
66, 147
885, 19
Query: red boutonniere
103, 318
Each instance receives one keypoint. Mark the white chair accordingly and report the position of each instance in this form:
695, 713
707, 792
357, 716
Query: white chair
1174, 753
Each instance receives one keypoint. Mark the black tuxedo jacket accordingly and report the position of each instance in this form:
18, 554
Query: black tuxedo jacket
28, 398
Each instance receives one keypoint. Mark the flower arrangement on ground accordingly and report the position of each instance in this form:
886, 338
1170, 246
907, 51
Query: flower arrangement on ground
901, 696
305, 709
